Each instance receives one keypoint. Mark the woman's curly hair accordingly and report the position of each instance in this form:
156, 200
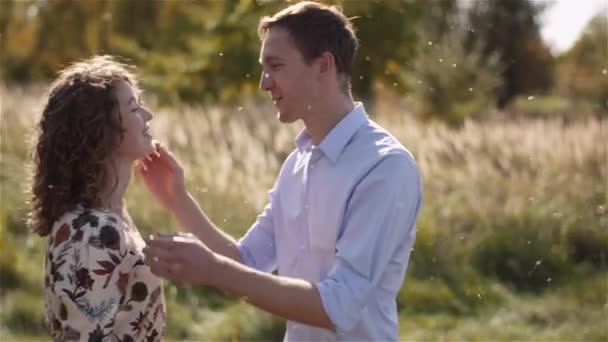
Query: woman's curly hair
79, 130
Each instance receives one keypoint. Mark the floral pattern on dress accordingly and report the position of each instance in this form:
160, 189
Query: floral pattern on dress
97, 287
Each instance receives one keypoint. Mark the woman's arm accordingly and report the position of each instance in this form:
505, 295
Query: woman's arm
89, 253
164, 177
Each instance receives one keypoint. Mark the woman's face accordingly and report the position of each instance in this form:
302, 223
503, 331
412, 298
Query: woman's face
137, 141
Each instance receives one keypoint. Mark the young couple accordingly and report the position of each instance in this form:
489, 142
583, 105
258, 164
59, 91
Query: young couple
338, 227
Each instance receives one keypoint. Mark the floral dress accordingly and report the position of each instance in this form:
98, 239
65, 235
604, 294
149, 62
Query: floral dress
96, 285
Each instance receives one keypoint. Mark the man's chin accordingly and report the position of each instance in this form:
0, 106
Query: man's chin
285, 118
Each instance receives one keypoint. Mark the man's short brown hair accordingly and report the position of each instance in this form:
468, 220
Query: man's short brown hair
316, 28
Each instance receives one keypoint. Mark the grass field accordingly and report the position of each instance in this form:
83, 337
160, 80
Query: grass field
512, 238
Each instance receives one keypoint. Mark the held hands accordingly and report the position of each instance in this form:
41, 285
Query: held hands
163, 176
181, 257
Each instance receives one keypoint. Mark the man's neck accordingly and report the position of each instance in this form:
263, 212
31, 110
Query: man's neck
326, 116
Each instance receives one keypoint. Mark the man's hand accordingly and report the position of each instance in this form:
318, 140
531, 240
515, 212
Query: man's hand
163, 176
182, 258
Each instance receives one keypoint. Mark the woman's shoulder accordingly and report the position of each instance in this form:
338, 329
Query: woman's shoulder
92, 226
80, 217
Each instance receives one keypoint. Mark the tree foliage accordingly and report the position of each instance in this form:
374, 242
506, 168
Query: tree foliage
450, 82
194, 51
206, 51
510, 28
583, 70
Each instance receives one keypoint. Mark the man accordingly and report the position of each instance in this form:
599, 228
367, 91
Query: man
340, 222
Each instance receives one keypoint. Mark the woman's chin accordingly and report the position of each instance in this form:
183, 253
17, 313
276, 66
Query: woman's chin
145, 150
149, 149
149, 143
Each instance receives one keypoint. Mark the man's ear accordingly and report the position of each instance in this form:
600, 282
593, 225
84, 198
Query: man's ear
327, 62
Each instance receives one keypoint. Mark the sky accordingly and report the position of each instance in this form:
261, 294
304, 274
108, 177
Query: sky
564, 21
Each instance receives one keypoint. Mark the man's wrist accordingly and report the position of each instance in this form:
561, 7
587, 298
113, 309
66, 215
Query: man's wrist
219, 268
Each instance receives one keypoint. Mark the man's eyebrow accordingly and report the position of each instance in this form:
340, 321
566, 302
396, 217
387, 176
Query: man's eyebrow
268, 59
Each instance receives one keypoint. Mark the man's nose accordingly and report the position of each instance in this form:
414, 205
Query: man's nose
265, 81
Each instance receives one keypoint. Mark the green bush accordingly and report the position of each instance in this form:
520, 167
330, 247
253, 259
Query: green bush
9, 275
425, 296
531, 106
589, 245
440, 277
524, 252
432, 256
22, 312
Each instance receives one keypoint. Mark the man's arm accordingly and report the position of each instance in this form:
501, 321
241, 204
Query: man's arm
184, 258
378, 235
290, 298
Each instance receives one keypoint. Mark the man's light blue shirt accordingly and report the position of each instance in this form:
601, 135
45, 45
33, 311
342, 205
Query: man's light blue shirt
342, 215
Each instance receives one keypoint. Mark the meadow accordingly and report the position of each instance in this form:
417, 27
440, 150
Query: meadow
512, 239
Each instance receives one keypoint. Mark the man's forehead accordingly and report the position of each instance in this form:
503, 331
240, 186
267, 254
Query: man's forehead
276, 44
277, 33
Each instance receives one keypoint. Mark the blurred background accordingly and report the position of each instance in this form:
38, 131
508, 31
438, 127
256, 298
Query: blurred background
503, 103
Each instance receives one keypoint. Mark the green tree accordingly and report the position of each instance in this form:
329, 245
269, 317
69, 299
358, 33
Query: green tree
389, 32
202, 51
449, 81
40, 37
583, 70
510, 28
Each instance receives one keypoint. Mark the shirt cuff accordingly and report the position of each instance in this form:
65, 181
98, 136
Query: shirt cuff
246, 256
343, 294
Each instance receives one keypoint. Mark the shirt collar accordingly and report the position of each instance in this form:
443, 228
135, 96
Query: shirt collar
303, 140
334, 143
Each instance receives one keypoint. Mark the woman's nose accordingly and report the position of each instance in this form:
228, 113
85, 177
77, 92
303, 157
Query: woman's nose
148, 114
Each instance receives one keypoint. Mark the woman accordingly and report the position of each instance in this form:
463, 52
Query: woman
93, 128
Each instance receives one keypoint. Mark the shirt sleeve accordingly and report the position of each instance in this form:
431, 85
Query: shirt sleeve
257, 246
91, 292
380, 221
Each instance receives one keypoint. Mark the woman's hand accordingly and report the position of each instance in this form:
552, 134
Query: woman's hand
163, 176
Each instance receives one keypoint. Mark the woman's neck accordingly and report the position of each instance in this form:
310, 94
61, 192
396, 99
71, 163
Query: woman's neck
119, 172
